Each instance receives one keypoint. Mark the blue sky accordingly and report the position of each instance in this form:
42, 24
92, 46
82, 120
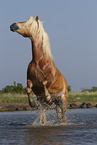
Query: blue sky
72, 29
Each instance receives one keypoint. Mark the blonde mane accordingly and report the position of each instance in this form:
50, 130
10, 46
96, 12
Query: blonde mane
39, 34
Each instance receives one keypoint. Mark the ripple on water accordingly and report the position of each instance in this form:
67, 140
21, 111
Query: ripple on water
26, 128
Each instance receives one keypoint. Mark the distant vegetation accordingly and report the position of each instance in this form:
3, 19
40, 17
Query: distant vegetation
16, 88
16, 93
69, 88
11, 98
89, 97
93, 89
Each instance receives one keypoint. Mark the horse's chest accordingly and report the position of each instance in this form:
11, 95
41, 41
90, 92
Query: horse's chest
38, 73
35, 73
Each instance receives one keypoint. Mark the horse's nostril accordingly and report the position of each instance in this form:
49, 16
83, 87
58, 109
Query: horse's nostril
14, 27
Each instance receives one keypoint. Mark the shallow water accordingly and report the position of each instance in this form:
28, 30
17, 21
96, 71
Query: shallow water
24, 128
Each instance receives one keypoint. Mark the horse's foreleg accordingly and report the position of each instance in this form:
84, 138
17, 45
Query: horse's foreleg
28, 90
59, 113
48, 98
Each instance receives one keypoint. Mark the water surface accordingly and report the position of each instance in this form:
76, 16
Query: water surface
24, 128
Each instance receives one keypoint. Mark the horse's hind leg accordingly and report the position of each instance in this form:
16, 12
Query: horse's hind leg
64, 98
61, 107
28, 90
44, 120
59, 113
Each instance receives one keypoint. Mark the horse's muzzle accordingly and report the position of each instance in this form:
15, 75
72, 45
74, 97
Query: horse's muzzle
14, 27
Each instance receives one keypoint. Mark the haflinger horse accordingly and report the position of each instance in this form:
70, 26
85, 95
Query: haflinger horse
43, 77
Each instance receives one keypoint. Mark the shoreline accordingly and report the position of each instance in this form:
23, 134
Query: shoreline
25, 107
19, 102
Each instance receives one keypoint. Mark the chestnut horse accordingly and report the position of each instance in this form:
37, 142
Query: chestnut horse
43, 77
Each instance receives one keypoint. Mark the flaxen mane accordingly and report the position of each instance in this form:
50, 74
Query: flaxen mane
36, 28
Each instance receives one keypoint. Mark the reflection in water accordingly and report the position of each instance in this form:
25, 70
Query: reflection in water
41, 136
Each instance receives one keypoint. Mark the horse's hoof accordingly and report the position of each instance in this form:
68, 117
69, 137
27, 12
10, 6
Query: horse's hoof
32, 104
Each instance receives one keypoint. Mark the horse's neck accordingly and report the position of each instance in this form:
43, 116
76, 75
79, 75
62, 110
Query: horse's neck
37, 51
38, 55
44, 65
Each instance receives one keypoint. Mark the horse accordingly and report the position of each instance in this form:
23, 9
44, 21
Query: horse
43, 77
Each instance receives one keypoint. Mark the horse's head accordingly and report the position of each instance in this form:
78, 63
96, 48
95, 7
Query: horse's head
33, 29
26, 29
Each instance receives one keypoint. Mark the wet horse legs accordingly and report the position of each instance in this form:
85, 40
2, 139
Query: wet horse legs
61, 107
59, 113
48, 100
28, 90
44, 120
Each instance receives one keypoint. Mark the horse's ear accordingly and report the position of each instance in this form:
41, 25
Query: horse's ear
37, 18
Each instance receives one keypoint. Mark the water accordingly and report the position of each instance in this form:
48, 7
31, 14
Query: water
23, 128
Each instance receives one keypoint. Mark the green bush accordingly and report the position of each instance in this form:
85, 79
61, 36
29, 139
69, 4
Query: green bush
17, 88
69, 88
93, 89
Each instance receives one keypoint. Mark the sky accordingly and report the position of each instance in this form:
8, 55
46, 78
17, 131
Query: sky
72, 29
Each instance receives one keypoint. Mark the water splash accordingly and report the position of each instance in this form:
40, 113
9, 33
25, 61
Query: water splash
38, 120
52, 120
